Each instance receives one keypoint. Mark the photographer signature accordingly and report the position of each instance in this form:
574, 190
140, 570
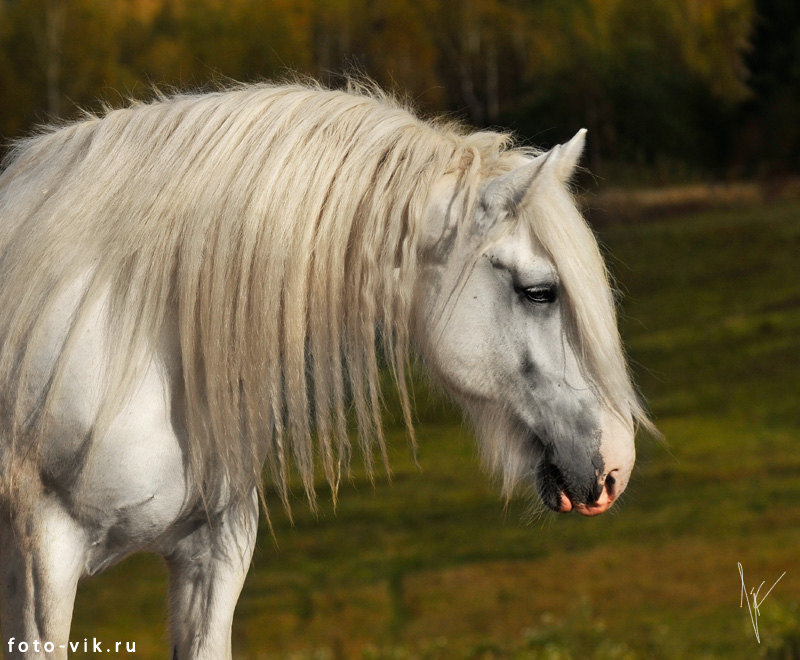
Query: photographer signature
757, 601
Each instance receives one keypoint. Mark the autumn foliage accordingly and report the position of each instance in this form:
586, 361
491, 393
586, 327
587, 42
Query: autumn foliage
673, 86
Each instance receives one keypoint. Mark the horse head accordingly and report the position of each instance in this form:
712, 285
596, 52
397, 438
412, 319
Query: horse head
517, 322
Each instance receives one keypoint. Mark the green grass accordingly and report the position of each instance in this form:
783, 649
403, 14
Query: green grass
433, 566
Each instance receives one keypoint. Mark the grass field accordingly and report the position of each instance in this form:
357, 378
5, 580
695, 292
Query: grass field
433, 566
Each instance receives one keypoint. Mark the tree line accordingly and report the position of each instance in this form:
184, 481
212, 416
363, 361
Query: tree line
675, 88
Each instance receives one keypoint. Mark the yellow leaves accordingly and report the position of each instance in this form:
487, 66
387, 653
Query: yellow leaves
489, 59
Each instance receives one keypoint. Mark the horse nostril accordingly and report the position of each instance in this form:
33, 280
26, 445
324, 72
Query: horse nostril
610, 484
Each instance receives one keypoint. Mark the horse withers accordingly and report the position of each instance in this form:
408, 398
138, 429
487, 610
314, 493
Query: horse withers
197, 294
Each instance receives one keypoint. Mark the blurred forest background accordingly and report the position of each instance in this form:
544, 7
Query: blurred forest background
670, 90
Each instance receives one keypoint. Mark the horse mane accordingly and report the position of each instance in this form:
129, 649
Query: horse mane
278, 225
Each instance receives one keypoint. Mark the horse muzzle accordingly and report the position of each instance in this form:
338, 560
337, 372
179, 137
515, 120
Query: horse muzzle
564, 490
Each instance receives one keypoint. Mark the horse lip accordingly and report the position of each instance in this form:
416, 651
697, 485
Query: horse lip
564, 503
594, 509
600, 505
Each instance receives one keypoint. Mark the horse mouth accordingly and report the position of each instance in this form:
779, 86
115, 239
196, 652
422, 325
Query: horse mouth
559, 495
600, 505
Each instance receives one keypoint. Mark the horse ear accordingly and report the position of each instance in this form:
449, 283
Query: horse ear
503, 195
568, 156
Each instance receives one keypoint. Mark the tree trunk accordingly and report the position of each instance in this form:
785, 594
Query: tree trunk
55, 12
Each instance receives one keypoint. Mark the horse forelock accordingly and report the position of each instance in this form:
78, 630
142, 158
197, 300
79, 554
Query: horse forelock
590, 298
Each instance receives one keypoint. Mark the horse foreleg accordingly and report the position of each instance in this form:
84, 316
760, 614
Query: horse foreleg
42, 555
207, 571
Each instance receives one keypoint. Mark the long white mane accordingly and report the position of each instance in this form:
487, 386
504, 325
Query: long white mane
277, 228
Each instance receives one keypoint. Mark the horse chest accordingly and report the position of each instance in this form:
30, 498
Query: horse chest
132, 493
125, 487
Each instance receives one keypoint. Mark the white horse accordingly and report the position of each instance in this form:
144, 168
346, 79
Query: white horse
201, 289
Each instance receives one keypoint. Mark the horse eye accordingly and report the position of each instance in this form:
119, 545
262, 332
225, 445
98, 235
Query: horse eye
541, 295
